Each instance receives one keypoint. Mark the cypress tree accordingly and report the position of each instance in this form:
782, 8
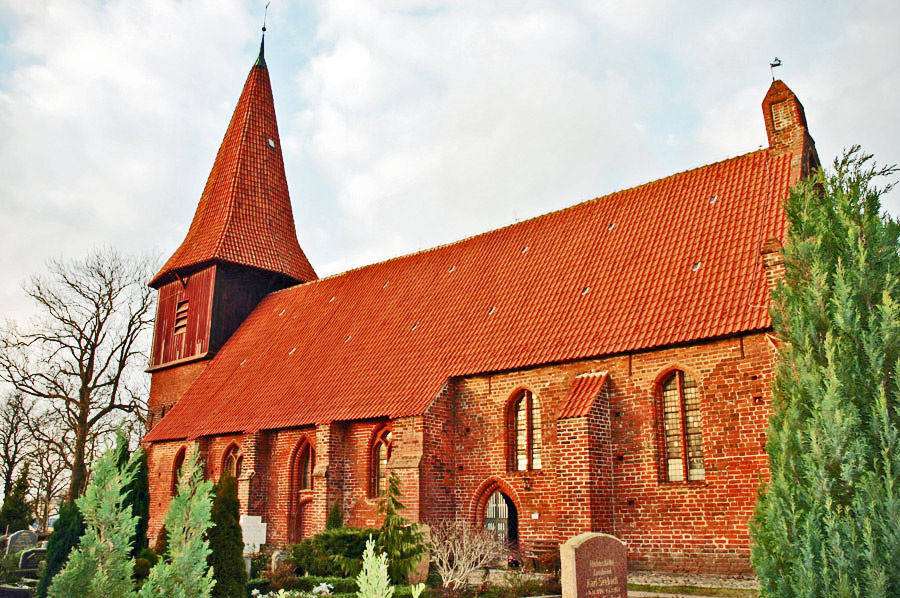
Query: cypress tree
137, 492
335, 519
185, 573
101, 565
400, 540
827, 522
226, 542
16, 513
67, 531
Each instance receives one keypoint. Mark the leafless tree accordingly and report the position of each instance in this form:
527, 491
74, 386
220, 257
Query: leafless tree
81, 355
49, 475
458, 549
15, 440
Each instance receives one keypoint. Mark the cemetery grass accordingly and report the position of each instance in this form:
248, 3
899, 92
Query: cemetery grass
696, 591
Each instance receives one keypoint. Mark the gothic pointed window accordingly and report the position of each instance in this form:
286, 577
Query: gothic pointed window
305, 465
682, 430
379, 456
233, 462
525, 443
177, 465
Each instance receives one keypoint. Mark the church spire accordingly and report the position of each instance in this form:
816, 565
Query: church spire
261, 59
244, 216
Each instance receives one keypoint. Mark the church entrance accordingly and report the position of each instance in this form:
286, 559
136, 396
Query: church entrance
501, 517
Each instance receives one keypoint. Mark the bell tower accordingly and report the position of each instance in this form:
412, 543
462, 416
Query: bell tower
241, 245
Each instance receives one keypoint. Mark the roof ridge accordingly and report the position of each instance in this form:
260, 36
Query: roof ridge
761, 150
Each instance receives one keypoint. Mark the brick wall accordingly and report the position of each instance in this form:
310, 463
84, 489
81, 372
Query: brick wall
600, 472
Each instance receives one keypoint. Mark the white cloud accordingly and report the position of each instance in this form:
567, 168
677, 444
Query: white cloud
408, 123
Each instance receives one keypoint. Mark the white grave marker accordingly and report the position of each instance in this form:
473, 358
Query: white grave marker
254, 531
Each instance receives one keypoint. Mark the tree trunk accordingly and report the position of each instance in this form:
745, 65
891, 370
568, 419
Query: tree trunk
79, 467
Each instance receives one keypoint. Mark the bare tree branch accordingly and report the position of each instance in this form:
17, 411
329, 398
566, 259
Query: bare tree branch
81, 357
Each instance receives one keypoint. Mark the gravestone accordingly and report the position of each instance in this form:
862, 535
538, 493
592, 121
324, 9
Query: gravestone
31, 558
593, 566
278, 557
254, 532
21, 540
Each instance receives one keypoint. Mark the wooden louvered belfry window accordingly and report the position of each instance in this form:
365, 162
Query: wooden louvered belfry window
181, 316
525, 430
682, 429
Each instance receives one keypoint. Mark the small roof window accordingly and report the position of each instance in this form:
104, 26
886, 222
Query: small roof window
585, 291
696, 266
271, 143
611, 226
713, 199
492, 310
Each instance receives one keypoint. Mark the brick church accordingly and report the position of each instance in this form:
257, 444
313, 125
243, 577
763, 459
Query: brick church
605, 367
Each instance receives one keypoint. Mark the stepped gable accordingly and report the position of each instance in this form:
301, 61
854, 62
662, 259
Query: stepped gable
668, 262
244, 216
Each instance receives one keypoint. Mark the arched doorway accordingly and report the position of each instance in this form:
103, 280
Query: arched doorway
501, 517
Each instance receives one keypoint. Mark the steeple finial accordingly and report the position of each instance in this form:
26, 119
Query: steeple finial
261, 60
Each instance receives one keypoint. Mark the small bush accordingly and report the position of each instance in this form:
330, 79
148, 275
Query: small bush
334, 553
150, 556
261, 585
141, 571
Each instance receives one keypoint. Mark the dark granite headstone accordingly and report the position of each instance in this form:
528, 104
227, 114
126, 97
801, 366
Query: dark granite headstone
31, 558
21, 540
593, 566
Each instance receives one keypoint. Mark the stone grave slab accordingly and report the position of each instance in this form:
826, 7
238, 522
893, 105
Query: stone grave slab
31, 558
254, 532
593, 566
21, 540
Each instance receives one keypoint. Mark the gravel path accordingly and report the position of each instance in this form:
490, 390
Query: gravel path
704, 581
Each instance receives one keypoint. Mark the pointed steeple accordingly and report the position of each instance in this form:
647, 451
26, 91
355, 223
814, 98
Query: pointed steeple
244, 216
261, 59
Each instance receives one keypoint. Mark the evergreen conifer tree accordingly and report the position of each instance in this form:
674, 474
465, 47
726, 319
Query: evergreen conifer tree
67, 531
400, 540
101, 565
828, 522
185, 573
16, 513
226, 542
335, 519
137, 493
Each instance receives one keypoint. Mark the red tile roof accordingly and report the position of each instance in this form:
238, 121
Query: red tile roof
582, 394
671, 261
244, 215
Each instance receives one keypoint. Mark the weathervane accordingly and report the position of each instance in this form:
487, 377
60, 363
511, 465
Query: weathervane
266, 14
772, 65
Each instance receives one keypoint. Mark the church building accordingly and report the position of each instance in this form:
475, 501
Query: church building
605, 367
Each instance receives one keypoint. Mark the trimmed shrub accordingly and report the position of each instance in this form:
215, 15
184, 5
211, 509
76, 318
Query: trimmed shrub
141, 571
335, 553
149, 556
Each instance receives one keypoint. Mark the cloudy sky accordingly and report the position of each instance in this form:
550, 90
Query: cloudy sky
405, 124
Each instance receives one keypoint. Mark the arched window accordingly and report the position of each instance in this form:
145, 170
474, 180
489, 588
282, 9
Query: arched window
381, 453
525, 446
176, 471
682, 428
233, 462
306, 462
